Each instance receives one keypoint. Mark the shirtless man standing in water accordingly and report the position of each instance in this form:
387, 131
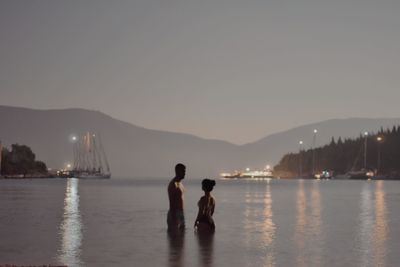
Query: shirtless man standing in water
176, 218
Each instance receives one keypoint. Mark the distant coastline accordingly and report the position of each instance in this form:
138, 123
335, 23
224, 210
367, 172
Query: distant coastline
19, 162
27, 177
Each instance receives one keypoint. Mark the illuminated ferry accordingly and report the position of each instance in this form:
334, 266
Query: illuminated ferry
266, 173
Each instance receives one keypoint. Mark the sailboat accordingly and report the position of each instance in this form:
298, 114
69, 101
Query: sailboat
364, 173
90, 160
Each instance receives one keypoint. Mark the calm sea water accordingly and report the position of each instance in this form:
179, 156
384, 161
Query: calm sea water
122, 222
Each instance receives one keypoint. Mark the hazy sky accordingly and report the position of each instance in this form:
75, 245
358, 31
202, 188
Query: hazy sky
231, 70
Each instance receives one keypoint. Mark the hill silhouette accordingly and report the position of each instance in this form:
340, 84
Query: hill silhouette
139, 152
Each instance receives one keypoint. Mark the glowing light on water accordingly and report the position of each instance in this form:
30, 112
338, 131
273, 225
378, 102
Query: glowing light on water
366, 219
71, 226
301, 222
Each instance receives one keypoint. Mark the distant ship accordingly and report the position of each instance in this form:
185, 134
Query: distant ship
363, 173
266, 173
90, 160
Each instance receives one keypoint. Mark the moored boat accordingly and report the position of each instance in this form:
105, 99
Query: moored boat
90, 160
266, 173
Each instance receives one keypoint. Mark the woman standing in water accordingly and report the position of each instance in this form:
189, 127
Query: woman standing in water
204, 222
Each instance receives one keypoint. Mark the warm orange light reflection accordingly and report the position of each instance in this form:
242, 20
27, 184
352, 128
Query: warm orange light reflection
315, 222
300, 224
268, 229
366, 225
380, 227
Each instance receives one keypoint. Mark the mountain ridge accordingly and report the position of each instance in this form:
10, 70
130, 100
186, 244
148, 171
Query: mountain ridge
137, 151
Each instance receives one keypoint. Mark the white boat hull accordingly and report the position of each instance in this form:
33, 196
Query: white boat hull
92, 176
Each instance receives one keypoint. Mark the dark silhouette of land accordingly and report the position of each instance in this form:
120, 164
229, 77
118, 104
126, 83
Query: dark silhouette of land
134, 151
20, 160
342, 155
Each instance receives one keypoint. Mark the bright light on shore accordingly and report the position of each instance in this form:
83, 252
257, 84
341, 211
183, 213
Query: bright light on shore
366, 133
74, 138
300, 142
315, 131
379, 138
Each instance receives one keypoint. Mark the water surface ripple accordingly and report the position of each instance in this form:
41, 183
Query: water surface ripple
122, 222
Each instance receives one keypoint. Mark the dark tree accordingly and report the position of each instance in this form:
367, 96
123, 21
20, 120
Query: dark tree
20, 160
343, 156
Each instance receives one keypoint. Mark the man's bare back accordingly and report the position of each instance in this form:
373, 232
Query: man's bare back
175, 194
176, 218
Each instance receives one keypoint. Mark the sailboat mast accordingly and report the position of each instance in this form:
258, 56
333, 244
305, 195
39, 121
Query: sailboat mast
365, 150
93, 143
313, 150
1, 154
103, 154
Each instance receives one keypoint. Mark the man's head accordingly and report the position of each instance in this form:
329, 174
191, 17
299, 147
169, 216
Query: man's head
180, 171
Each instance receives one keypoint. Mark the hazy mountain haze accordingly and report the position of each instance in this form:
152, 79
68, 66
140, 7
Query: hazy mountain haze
137, 151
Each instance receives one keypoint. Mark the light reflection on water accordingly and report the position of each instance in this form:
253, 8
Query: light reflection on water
373, 230
301, 221
176, 242
260, 223
206, 249
308, 235
366, 224
71, 226
380, 227
315, 224
268, 229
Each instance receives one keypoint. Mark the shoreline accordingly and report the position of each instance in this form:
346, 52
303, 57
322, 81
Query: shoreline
22, 177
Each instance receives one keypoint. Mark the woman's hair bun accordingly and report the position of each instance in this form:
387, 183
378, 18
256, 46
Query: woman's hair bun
208, 184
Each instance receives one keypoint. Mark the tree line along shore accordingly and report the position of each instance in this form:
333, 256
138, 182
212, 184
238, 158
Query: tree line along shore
339, 156
378, 152
20, 162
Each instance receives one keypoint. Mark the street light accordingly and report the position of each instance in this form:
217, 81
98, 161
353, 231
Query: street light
75, 144
300, 159
379, 139
313, 150
365, 150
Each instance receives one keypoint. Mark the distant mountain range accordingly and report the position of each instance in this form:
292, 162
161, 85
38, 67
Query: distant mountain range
139, 152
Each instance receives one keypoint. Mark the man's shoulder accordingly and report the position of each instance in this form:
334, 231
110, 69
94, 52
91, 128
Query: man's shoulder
171, 184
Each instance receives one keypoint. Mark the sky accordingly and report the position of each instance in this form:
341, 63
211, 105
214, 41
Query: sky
222, 69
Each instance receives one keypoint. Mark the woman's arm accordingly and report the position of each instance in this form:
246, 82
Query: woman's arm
199, 204
212, 206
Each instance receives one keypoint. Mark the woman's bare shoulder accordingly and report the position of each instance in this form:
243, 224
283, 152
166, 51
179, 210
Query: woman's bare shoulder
212, 200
